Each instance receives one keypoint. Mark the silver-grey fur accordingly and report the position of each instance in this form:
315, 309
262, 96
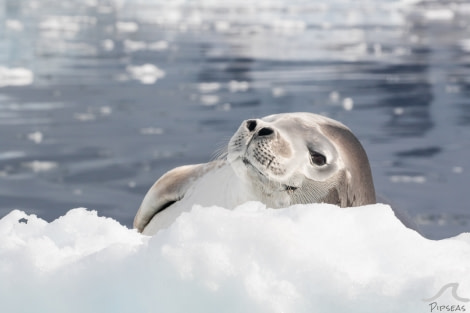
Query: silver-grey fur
280, 160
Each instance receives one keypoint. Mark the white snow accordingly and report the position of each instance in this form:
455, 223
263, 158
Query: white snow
305, 258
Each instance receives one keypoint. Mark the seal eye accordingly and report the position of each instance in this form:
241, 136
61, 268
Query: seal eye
317, 158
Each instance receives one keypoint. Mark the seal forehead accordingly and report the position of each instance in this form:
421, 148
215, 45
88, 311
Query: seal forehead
307, 130
306, 119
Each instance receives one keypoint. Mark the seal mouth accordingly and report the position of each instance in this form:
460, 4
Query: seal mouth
283, 187
249, 164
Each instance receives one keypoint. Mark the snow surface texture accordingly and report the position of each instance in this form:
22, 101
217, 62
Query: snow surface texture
305, 258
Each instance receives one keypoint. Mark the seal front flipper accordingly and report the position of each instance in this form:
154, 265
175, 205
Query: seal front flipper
167, 190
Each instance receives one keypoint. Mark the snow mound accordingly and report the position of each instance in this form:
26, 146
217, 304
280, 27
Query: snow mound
305, 258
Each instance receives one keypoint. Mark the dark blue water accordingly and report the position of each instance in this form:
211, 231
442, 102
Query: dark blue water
98, 98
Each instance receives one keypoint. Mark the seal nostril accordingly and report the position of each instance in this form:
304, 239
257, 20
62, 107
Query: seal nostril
265, 131
251, 125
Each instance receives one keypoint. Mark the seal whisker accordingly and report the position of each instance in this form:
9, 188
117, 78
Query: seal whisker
221, 152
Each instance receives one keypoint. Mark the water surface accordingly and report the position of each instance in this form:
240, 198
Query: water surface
99, 98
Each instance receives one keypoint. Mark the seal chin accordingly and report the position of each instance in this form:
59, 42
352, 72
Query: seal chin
252, 167
265, 179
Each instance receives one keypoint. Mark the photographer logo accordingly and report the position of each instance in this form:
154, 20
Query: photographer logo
458, 306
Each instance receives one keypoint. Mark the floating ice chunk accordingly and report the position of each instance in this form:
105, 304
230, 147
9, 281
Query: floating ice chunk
127, 27
131, 46
398, 111
358, 49
334, 96
222, 26
36, 137
236, 86
465, 45
439, 14
289, 25
151, 131
132, 184
15, 76
401, 51
418, 179
84, 117
348, 104
209, 87
106, 110
57, 23
409, 2
159, 45
14, 25
72, 24
147, 74
278, 92
33, 106
40, 166
108, 44
209, 100
92, 3
452, 88
7, 155
225, 107
104, 9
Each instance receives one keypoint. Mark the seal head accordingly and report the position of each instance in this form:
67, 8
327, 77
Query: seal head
301, 158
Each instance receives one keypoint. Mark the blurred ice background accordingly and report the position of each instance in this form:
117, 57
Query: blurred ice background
98, 98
